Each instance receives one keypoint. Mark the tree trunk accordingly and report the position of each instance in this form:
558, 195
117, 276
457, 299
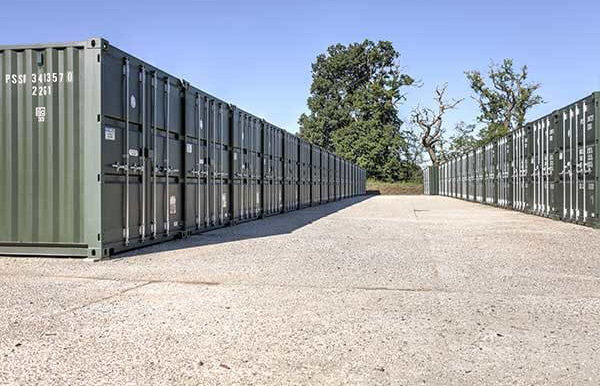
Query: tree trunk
434, 158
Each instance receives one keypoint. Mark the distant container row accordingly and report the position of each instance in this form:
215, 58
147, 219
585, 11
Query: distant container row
548, 167
102, 152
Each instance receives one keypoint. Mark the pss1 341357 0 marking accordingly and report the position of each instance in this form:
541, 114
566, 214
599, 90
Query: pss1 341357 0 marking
41, 83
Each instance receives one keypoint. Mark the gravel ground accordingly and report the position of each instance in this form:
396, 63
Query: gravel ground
385, 290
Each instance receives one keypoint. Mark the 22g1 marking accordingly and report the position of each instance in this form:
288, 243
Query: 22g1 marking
41, 90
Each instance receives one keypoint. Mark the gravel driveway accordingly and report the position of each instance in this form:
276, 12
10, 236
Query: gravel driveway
383, 290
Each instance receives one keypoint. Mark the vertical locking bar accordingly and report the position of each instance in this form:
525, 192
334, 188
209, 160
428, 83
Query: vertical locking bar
541, 193
242, 125
143, 208
251, 175
272, 168
571, 158
198, 164
540, 154
525, 169
501, 169
535, 167
583, 167
206, 118
514, 169
154, 153
545, 155
542, 149
167, 98
546, 166
564, 163
126, 155
540, 165
214, 157
221, 161
577, 163
520, 162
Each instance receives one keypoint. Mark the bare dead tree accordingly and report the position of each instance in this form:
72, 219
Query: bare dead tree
431, 123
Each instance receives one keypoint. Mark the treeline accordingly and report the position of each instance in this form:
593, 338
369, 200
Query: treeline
353, 110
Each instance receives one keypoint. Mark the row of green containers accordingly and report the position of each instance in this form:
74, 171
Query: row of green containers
547, 167
101, 152
431, 182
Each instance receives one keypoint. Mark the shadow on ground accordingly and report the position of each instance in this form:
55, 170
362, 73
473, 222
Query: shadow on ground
269, 226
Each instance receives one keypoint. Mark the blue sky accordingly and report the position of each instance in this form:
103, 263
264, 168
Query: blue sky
257, 54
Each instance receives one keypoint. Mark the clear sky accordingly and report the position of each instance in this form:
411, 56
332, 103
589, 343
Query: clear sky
257, 54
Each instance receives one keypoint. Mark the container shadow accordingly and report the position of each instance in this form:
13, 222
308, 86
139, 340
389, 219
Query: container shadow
280, 224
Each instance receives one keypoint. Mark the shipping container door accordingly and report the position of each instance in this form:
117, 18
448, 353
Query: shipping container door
196, 168
578, 176
142, 153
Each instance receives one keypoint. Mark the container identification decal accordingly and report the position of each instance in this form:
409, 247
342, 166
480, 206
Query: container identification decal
132, 102
40, 113
41, 83
134, 152
172, 205
188, 148
109, 133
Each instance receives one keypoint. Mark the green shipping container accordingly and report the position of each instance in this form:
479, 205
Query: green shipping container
101, 152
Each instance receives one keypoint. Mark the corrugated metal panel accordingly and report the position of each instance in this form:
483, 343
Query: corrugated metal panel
324, 176
577, 127
479, 174
521, 173
42, 145
504, 176
491, 170
315, 167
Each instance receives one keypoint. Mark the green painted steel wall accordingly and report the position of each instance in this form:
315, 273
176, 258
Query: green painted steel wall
42, 160
548, 167
90, 166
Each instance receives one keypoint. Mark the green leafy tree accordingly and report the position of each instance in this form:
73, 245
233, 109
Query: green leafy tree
504, 98
462, 140
353, 103
412, 156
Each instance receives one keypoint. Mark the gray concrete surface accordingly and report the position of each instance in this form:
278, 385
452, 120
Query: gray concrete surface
379, 291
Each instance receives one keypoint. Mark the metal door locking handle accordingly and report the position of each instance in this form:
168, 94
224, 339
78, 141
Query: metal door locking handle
170, 170
119, 166
198, 173
585, 169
